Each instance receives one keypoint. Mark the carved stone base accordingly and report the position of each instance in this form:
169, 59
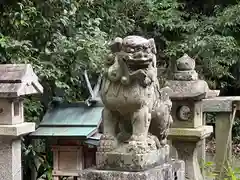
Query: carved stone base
186, 141
168, 171
187, 151
130, 161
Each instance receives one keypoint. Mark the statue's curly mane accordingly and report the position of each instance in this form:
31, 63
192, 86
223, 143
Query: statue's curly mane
131, 95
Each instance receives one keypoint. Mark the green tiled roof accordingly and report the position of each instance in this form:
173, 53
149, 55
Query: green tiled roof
70, 119
77, 114
84, 132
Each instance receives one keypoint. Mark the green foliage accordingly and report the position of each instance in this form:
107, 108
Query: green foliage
62, 38
230, 173
209, 168
210, 40
56, 38
36, 161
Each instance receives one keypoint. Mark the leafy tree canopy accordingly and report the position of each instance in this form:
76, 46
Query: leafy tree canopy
62, 38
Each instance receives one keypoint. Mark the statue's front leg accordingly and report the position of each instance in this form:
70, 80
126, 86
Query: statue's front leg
108, 140
125, 127
140, 125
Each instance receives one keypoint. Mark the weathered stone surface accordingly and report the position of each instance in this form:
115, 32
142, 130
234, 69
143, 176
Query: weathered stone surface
185, 76
189, 96
188, 129
185, 69
10, 159
178, 169
184, 87
213, 93
132, 99
187, 150
132, 162
11, 112
223, 147
190, 119
18, 80
190, 133
169, 171
185, 63
136, 116
219, 104
17, 129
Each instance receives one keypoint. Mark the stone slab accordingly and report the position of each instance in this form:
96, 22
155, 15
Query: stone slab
168, 171
17, 129
130, 161
188, 133
223, 157
194, 96
219, 104
213, 93
199, 86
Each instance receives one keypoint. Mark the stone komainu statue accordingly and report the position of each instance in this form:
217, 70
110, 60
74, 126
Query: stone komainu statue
136, 111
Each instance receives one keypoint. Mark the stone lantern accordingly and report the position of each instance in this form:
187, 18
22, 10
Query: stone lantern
188, 130
16, 81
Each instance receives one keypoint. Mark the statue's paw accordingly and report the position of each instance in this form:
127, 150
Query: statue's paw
123, 136
138, 138
107, 143
107, 137
138, 147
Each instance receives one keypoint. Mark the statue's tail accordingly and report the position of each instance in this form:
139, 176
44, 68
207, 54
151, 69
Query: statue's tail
161, 116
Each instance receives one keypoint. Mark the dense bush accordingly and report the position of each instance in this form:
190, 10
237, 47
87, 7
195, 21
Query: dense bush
62, 38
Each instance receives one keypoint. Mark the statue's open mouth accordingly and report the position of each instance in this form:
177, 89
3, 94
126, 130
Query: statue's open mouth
138, 62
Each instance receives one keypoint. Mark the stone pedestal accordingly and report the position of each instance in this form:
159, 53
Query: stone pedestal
186, 141
10, 150
154, 165
132, 162
10, 159
189, 155
168, 171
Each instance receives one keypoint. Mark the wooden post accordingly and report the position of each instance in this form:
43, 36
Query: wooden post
222, 131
